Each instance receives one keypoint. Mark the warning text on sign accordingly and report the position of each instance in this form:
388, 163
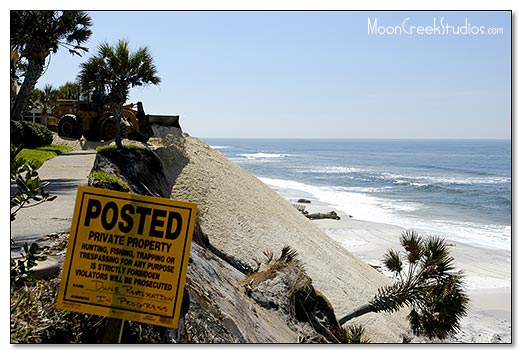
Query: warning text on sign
127, 256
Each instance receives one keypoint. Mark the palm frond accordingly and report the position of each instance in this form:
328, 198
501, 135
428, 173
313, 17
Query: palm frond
428, 285
288, 255
436, 257
356, 334
258, 264
444, 305
269, 255
392, 261
119, 68
412, 243
391, 298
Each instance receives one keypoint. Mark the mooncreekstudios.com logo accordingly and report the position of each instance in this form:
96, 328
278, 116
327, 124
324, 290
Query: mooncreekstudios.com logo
439, 27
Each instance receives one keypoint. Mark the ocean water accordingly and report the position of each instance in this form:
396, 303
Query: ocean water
458, 189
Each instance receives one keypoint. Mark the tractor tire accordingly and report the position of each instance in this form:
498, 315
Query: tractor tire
69, 127
107, 129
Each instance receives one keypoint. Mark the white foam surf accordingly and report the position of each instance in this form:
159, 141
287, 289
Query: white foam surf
362, 205
262, 155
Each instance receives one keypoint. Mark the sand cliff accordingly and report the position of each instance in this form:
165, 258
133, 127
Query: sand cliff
242, 217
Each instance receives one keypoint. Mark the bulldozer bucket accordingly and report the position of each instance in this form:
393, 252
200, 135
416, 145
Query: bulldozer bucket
147, 120
164, 120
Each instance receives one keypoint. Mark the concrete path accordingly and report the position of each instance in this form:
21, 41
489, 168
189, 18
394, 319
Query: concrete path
65, 173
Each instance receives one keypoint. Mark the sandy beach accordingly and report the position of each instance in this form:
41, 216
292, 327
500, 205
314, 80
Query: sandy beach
487, 271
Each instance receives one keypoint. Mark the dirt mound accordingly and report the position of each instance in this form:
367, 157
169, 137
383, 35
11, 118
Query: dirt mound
83, 144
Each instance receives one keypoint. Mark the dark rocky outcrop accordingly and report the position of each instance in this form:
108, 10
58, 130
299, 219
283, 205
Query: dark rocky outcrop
330, 215
316, 216
139, 168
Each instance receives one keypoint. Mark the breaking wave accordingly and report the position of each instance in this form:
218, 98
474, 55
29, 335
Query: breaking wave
262, 155
361, 204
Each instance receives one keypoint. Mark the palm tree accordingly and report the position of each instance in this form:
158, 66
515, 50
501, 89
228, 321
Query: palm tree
118, 69
425, 281
37, 34
69, 90
41, 99
45, 99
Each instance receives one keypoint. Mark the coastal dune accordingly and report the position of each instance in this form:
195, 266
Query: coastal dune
242, 217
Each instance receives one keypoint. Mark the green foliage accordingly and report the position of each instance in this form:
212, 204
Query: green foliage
19, 331
31, 101
412, 244
29, 187
69, 90
29, 134
21, 269
429, 285
34, 36
393, 261
426, 281
36, 157
443, 304
43, 99
17, 132
118, 69
356, 334
114, 147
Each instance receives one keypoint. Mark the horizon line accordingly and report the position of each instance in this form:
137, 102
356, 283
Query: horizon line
352, 138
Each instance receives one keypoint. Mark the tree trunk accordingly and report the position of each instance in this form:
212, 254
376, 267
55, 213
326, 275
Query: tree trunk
14, 88
14, 78
43, 118
358, 312
117, 121
33, 73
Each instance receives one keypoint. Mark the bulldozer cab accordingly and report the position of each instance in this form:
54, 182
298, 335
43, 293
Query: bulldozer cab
91, 101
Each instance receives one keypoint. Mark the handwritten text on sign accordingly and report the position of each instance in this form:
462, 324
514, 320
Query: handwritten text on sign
127, 256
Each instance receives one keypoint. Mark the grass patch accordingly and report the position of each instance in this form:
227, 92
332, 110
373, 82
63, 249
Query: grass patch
114, 147
37, 156
106, 179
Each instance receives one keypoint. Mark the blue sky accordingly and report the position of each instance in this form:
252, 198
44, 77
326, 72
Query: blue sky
317, 74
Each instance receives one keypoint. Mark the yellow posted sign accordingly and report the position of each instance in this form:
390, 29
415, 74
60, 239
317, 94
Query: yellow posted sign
127, 256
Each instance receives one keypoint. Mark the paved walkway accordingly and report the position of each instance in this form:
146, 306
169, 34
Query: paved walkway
65, 173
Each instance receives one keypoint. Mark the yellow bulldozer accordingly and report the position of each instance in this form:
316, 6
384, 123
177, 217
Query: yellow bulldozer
91, 117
